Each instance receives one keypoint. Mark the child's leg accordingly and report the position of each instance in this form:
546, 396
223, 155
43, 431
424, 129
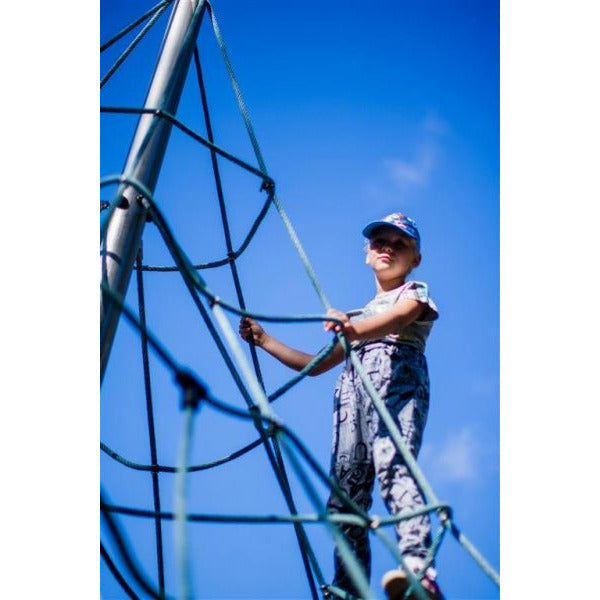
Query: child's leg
407, 398
351, 465
401, 493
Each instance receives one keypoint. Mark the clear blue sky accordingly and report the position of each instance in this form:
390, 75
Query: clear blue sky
360, 110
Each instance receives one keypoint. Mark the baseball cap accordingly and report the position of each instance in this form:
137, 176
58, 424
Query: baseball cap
399, 221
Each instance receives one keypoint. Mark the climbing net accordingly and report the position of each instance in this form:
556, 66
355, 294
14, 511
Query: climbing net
282, 445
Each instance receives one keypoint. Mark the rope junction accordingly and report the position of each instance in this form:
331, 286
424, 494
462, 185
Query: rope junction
278, 440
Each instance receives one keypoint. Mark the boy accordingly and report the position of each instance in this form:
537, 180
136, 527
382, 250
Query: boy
389, 336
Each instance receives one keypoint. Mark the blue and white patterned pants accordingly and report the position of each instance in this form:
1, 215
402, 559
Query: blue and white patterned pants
362, 447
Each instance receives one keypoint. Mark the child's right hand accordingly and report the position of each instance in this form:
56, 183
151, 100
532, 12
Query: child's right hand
332, 325
250, 330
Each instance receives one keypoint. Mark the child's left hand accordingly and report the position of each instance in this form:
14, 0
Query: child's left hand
332, 326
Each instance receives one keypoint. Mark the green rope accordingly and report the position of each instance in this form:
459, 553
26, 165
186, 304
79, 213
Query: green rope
164, 469
133, 25
123, 548
259, 157
158, 11
117, 574
161, 113
238, 519
180, 505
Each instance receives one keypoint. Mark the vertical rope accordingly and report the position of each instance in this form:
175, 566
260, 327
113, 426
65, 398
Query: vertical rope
180, 530
150, 418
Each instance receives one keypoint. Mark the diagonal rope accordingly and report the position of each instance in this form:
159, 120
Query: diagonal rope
132, 25
125, 552
117, 574
156, 14
259, 158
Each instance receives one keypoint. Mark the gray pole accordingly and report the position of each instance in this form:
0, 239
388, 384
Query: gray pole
124, 231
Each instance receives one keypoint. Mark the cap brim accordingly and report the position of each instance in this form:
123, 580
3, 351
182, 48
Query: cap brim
375, 224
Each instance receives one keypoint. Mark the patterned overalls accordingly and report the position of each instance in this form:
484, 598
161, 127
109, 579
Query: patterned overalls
362, 447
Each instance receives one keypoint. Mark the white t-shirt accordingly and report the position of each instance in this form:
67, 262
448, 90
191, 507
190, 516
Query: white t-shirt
414, 334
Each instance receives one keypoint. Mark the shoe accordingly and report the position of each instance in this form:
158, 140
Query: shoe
396, 583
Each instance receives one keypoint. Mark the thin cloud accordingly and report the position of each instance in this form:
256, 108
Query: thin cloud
417, 170
412, 169
433, 124
455, 460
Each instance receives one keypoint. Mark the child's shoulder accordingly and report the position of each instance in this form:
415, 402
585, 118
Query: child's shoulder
412, 287
419, 290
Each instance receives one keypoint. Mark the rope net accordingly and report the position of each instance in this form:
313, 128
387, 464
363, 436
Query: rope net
283, 447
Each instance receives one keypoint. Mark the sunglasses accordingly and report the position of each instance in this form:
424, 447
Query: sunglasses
379, 243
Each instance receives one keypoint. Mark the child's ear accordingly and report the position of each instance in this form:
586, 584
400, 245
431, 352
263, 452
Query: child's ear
417, 261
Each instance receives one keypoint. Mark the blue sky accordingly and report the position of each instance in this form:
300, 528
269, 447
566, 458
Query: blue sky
359, 113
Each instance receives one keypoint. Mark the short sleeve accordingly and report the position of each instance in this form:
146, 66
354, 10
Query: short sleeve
419, 291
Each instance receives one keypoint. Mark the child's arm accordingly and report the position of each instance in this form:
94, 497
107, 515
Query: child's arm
295, 359
403, 313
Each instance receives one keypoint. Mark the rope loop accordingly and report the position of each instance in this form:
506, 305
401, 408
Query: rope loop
141, 200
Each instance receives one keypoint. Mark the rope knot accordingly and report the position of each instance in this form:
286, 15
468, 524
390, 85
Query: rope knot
274, 427
445, 515
193, 390
268, 185
254, 410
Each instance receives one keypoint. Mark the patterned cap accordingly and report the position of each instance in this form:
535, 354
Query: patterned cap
399, 221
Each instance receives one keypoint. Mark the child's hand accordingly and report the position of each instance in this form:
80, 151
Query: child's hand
332, 326
250, 330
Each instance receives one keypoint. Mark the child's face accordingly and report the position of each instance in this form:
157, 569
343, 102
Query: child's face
391, 254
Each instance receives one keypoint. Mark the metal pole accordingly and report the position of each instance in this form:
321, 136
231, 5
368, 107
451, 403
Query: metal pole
124, 231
